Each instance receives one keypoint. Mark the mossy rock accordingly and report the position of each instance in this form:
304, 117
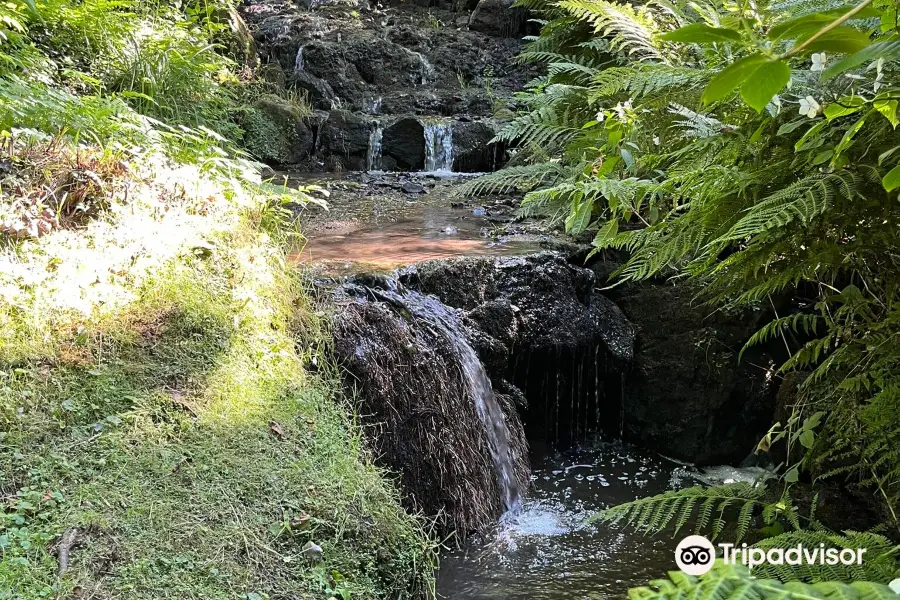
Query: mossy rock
276, 132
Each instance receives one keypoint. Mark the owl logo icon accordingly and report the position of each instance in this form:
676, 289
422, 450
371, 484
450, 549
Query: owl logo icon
695, 555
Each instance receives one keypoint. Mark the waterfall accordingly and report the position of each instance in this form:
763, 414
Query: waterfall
373, 154
438, 146
298, 62
436, 314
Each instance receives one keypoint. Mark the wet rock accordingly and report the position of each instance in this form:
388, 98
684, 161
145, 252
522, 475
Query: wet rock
320, 94
472, 150
411, 187
404, 141
537, 322
497, 18
345, 139
687, 395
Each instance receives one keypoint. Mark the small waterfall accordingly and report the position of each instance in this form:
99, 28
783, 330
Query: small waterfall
298, 62
373, 154
438, 146
426, 69
373, 106
433, 312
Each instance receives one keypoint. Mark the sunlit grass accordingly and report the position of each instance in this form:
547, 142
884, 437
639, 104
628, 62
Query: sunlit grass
156, 396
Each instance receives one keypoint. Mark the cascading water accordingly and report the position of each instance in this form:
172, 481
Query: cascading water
373, 154
430, 310
438, 146
298, 62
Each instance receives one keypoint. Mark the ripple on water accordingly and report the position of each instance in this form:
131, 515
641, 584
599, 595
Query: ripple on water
549, 550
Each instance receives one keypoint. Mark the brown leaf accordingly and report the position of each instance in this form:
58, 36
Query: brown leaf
277, 430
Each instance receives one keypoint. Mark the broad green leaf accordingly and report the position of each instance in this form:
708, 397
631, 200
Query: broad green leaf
700, 33
793, 475
809, 24
888, 108
891, 181
841, 40
845, 106
886, 49
807, 438
791, 126
810, 134
847, 140
822, 157
764, 83
731, 77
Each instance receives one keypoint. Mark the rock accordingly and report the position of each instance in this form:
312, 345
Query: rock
344, 137
275, 132
241, 43
320, 94
497, 18
312, 552
537, 323
411, 187
687, 396
404, 141
472, 150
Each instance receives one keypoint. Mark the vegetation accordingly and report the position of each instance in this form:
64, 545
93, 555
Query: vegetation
169, 423
752, 147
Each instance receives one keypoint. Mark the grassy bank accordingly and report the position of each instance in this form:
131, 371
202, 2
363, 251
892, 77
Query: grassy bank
168, 425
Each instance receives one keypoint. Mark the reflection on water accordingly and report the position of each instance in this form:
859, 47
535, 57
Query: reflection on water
423, 233
548, 550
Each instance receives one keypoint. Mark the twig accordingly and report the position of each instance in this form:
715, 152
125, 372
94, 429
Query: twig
66, 542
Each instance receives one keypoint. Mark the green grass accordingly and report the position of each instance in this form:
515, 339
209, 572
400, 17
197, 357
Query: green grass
163, 391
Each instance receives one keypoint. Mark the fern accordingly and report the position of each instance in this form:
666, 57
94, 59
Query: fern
705, 507
734, 582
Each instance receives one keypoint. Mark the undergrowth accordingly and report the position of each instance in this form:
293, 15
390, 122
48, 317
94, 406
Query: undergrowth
168, 424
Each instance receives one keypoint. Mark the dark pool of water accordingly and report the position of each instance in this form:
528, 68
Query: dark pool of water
549, 550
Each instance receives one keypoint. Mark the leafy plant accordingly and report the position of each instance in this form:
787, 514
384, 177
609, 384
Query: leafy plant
752, 147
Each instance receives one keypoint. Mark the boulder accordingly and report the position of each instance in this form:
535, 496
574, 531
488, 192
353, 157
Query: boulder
404, 142
687, 395
320, 94
497, 18
344, 137
472, 150
539, 326
276, 132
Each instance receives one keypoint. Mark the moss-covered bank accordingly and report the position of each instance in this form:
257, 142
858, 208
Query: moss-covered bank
168, 426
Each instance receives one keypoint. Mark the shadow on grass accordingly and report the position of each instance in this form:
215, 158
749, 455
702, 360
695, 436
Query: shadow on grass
186, 450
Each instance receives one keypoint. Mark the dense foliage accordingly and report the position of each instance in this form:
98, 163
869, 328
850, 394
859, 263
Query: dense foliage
751, 146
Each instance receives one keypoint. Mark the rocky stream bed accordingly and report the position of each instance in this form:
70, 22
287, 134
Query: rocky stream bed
495, 372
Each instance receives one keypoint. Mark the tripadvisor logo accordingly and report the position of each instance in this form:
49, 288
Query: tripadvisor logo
695, 555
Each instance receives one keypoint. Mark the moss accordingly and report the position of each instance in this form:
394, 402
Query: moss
173, 421
275, 131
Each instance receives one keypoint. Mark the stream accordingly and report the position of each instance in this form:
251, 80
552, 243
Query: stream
548, 550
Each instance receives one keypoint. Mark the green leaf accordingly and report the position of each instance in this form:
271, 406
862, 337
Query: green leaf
580, 216
891, 181
607, 234
888, 108
731, 77
700, 33
844, 106
886, 49
847, 140
810, 134
807, 438
759, 89
822, 157
809, 24
791, 126
841, 40
793, 475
